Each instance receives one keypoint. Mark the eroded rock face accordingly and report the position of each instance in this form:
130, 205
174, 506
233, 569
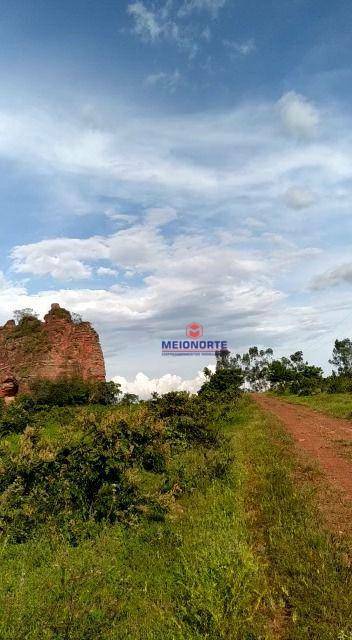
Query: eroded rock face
53, 349
8, 389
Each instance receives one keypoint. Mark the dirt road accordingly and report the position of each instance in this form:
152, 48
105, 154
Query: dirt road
326, 440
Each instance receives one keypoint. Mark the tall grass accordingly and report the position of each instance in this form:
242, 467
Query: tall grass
338, 405
242, 555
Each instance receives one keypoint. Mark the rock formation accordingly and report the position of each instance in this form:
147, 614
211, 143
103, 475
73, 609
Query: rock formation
56, 348
8, 389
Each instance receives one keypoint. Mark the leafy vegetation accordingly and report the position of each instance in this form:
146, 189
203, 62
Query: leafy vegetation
71, 391
99, 475
60, 393
209, 534
262, 372
293, 375
183, 517
342, 357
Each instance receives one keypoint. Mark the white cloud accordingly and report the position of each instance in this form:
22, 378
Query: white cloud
224, 173
132, 321
168, 81
244, 48
106, 271
117, 216
334, 277
213, 6
146, 22
59, 257
255, 223
203, 160
298, 198
143, 386
158, 216
157, 24
298, 115
165, 22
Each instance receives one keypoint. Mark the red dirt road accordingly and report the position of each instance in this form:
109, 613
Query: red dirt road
317, 434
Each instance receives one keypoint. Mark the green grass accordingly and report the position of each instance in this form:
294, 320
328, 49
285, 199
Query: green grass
242, 557
338, 405
310, 577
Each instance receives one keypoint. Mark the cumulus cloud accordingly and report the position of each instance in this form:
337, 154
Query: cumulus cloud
59, 257
299, 116
176, 280
334, 277
298, 198
143, 386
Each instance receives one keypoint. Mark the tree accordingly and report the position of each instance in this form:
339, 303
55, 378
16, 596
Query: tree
254, 365
21, 314
280, 374
295, 375
76, 318
342, 357
129, 398
297, 358
222, 359
225, 381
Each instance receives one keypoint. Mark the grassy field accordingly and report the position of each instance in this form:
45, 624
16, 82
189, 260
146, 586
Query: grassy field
242, 556
338, 405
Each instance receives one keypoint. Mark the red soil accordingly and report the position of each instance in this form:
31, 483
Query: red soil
320, 437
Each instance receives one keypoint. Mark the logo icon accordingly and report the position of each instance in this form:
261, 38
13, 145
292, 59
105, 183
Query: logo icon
194, 330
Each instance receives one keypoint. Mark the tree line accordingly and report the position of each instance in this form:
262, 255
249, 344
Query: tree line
260, 371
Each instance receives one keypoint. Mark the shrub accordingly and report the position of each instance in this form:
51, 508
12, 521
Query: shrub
93, 479
188, 417
338, 384
15, 417
73, 391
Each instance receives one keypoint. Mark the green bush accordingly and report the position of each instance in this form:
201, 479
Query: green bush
73, 391
188, 417
44, 394
338, 384
108, 465
94, 479
15, 417
225, 384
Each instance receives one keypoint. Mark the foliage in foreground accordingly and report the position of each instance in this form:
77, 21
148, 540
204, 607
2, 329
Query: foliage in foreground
241, 555
67, 392
112, 465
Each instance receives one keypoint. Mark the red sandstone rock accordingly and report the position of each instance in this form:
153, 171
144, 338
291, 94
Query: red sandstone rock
8, 389
53, 349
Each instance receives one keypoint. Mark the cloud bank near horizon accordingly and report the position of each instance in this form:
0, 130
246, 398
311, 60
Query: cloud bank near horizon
143, 386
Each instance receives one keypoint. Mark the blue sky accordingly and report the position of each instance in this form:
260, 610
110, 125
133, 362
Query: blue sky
174, 161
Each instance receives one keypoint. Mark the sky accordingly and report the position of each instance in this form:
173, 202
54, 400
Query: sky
174, 161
